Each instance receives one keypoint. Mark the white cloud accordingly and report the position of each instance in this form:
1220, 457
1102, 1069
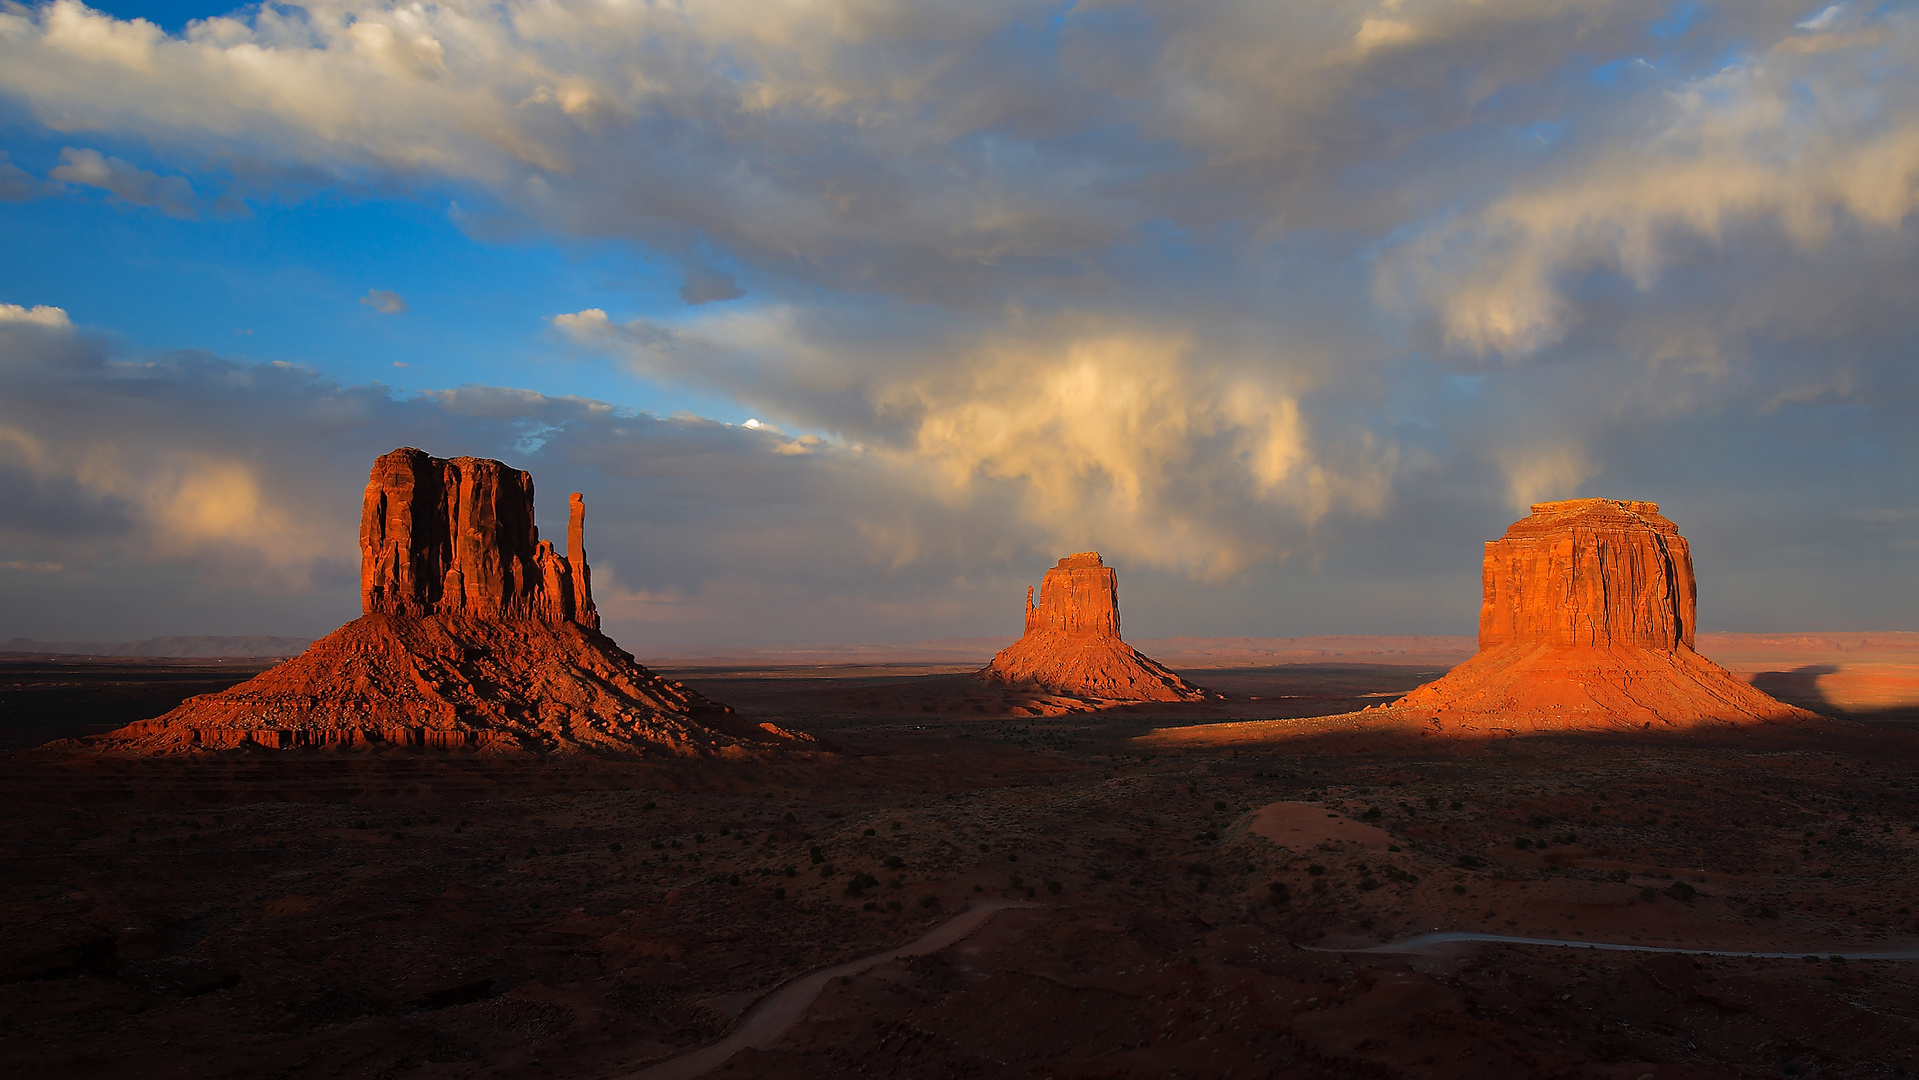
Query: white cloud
52, 318
1816, 139
385, 301
16, 183
171, 195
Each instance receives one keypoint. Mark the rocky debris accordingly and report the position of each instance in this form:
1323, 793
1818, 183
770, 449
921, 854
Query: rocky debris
1588, 621
1072, 645
476, 634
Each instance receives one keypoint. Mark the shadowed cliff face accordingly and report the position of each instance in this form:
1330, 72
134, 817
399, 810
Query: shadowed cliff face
456, 536
1072, 644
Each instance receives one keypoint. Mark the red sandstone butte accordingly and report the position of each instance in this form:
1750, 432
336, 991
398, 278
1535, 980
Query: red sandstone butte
1072, 644
1587, 622
476, 633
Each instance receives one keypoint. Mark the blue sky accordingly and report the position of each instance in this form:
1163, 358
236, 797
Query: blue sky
1286, 308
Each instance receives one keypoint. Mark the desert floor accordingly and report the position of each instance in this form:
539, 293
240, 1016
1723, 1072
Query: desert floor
423, 915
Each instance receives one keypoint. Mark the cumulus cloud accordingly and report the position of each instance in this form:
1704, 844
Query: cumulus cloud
171, 195
1813, 137
385, 301
16, 183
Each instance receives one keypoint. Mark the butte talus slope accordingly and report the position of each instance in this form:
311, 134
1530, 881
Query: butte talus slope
1587, 622
476, 634
1072, 646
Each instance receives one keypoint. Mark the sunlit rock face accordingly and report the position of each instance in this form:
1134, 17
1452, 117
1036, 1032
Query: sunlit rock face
1587, 621
1072, 645
456, 536
1589, 572
476, 635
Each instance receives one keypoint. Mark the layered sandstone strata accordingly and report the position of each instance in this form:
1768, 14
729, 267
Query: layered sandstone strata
1072, 645
1587, 621
476, 633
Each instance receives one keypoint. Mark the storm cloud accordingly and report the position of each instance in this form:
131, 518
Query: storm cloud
1283, 306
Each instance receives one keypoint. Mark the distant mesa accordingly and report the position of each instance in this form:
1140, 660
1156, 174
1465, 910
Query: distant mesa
1072, 645
475, 634
1587, 622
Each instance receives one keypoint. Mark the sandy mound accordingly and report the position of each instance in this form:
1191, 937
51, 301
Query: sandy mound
1072, 644
500, 685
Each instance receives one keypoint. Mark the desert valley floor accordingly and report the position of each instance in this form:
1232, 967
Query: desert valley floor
410, 914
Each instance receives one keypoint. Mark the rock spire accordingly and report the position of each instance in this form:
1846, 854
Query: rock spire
1587, 620
1072, 646
475, 634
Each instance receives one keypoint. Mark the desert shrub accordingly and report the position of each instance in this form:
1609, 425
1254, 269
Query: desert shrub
1220, 806
894, 862
1054, 887
1368, 883
1018, 881
929, 901
699, 838
1200, 869
817, 855
1432, 802
826, 870
788, 817
1522, 843
870, 832
1619, 875
1648, 893
732, 879
1102, 874
1458, 804
1459, 890
650, 806
1012, 856
1316, 870
779, 893
870, 905
1372, 813
1392, 847
1469, 862
726, 831
361, 824
657, 846
1539, 821
894, 905
614, 846
1140, 852
1280, 894
861, 882
1679, 890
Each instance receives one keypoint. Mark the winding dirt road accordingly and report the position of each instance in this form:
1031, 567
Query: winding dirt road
768, 1020
1428, 941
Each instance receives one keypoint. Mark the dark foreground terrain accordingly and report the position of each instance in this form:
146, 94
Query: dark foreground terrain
423, 915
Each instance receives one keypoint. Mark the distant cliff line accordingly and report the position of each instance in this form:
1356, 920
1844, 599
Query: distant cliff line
1736, 650
183, 647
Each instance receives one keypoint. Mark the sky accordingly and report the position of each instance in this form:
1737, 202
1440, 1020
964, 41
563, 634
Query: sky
849, 318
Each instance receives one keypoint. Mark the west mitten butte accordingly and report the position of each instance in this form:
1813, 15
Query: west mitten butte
476, 634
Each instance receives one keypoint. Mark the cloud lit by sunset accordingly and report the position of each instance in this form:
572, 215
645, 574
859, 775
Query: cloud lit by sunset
1283, 307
